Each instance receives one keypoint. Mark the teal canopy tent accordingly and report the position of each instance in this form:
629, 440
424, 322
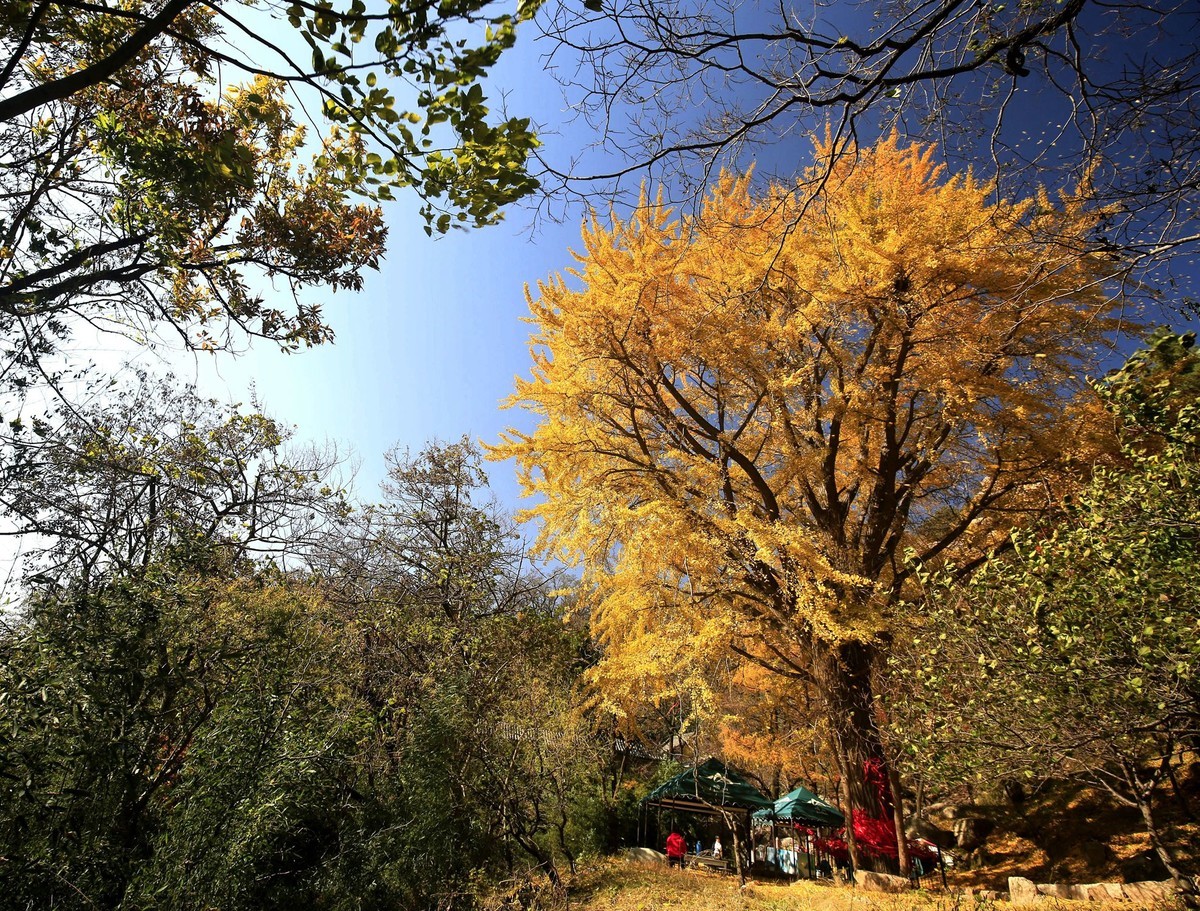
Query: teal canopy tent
799, 807
803, 806
708, 786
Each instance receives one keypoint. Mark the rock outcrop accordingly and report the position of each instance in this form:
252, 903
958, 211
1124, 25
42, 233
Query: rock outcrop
880, 882
970, 831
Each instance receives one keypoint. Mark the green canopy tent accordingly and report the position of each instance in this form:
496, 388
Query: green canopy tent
802, 806
710, 789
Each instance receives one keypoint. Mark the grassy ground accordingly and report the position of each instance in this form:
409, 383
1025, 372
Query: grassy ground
619, 885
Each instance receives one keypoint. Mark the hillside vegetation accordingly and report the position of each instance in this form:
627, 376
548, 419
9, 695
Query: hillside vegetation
1073, 834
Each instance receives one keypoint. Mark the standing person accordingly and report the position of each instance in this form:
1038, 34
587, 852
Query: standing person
718, 851
676, 850
845, 869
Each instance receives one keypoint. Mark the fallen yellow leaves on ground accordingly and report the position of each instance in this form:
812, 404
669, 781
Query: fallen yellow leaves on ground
621, 885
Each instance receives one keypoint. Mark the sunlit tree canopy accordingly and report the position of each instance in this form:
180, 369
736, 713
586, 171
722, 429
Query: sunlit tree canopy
747, 418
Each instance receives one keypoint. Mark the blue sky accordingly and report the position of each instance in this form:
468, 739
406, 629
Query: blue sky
426, 351
431, 345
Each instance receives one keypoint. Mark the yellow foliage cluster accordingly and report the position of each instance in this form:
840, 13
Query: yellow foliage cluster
749, 415
772, 728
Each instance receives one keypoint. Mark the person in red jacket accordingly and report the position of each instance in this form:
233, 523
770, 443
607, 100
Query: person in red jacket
676, 850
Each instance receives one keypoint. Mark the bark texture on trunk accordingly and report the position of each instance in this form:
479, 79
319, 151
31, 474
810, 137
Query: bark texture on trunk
844, 675
1188, 892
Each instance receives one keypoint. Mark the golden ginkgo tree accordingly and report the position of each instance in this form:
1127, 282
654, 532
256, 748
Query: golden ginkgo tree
753, 421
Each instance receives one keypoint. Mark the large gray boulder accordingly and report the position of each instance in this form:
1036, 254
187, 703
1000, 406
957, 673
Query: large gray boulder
945, 810
880, 882
923, 828
646, 856
1022, 891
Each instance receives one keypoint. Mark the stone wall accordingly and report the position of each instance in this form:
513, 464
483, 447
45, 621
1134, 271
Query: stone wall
1023, 891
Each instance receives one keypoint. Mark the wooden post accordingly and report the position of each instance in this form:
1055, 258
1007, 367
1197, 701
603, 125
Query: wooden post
902, 857
775, 839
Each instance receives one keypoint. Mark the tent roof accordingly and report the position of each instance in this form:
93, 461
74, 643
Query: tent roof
710, 784
802, 805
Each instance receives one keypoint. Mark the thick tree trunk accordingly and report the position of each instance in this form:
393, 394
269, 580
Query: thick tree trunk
844, 675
